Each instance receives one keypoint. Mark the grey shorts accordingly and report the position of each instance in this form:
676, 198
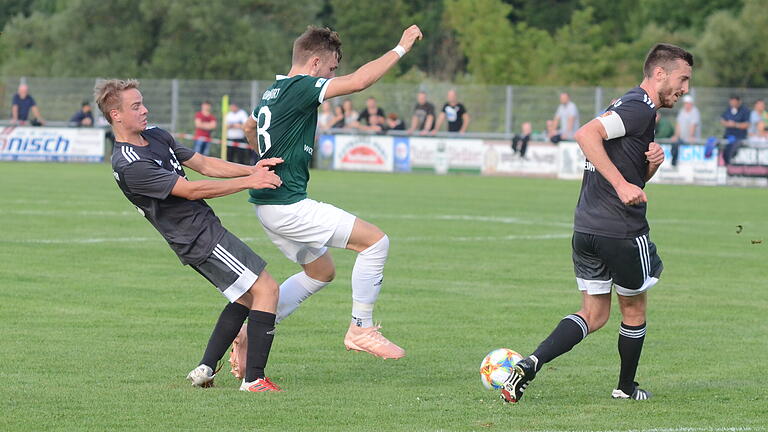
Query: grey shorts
232, 267
632, 265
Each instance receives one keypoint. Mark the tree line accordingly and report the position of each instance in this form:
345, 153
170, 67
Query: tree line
517, 42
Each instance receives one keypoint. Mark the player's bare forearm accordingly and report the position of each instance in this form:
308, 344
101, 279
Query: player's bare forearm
214, 167
651, 171
372, 71
363, 77
260, 178
203, 189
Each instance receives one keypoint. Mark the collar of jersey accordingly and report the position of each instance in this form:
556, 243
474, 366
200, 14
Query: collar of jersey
282, 77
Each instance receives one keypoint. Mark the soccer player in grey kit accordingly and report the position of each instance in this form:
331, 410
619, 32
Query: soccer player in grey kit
611, 243
147, 165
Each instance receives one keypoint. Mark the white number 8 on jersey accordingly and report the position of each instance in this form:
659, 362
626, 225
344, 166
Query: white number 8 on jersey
261, 130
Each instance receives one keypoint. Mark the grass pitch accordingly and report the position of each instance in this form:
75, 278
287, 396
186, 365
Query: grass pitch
100, 323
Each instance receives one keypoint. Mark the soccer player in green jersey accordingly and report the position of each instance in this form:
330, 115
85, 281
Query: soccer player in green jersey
283, 125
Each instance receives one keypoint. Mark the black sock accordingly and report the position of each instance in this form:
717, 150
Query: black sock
570, 331
261, 332
630, 346
225, 331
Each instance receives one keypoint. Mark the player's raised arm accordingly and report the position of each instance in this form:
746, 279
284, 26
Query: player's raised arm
590, 138
372, 71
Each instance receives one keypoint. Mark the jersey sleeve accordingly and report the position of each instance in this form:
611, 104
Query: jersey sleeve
145, 178
314, 92
182, 153
629, 118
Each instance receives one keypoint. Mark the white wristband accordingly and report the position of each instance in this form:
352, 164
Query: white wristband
399, 50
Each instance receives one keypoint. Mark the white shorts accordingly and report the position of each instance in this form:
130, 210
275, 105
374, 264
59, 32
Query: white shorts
304, 230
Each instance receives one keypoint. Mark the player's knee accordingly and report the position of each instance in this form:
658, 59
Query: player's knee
325, 274
595, 319
379, 248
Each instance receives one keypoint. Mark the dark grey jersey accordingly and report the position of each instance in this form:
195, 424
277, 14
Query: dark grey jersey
146, 175
599, 210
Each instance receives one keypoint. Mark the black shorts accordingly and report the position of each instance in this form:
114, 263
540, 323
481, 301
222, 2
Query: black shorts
630, 264
232, 267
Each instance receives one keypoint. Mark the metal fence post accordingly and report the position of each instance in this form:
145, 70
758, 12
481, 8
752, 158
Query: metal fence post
509, 111
254, 94
174, 104
598, 100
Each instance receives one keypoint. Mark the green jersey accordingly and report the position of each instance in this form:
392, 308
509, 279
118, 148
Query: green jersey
287, 121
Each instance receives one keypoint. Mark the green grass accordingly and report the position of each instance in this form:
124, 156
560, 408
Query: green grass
99, 322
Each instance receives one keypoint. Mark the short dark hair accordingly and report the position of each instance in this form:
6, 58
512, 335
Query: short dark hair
316, 41
664, 55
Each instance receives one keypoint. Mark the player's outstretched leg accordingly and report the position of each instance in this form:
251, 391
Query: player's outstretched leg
570, 331
367, 278
225, 331
294, 291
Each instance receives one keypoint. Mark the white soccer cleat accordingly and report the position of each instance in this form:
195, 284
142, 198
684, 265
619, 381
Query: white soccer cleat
201, 376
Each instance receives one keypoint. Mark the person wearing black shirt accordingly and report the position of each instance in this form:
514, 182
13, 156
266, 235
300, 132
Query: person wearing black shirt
82, 118
147, 165
611, 243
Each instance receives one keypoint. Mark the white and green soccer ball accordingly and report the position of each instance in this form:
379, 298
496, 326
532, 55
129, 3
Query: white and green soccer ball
497, 366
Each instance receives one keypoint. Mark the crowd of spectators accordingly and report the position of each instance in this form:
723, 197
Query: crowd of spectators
739, 122
373, 118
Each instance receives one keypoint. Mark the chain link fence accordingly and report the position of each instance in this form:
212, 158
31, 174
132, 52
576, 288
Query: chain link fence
494, 110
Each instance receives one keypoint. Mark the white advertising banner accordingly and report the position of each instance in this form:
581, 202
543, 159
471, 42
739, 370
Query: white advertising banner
363, 153
52, 144
570, 164
540, 159
446, 154
693, 167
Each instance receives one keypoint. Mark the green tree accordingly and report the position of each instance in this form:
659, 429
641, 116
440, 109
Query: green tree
733, 47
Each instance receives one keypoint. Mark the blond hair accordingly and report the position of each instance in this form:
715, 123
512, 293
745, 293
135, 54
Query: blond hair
108, 94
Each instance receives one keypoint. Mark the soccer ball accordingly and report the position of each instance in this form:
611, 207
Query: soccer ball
497, 366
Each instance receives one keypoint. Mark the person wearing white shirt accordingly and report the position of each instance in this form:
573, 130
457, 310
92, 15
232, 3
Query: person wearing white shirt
238, 150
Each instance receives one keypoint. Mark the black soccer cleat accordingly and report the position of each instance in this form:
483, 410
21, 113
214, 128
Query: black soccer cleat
513, 388
637, 394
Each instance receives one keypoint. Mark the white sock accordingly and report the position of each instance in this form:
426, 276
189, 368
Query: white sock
295, 290
367, 277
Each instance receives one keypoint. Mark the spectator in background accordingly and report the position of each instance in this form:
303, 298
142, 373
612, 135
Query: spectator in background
350, 115
664, 128
338, 117
326, 119
520, 142
423, 115
372, 117
687, 128
394, 123
22, 104
455, 113
566, 121
82, 118
757, 121
238, 150
735, 118
205, 123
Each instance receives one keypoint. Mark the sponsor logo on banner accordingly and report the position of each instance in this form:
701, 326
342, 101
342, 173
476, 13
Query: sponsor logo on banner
445, 154
749, 162
693, 167
52, 144
363, 153
540, 159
